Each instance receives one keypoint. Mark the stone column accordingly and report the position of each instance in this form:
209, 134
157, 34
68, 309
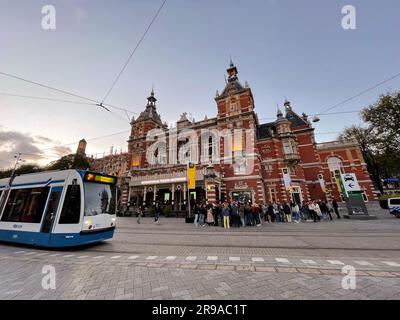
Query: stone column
172, 195
154, 194
144, 195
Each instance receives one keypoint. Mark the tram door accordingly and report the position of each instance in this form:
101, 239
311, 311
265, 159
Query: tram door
51, 210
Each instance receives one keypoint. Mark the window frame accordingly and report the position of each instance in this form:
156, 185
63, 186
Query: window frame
29, 200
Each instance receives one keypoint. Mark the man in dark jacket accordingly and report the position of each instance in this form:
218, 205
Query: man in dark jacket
336, 208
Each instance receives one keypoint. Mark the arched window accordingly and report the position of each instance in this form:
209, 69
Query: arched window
335, 166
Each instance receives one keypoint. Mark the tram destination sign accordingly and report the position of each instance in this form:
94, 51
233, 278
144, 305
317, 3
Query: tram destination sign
94, 177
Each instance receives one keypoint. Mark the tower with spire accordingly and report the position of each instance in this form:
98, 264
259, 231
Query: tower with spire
235, 99
147, 120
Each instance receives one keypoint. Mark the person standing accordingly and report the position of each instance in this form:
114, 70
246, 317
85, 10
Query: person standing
225, 214
288, 212
140, 213
271, 212
157, 212
295, 210
241, 214
336, 207
276, 212
313, 211
325, 210
210, 217
318, 210
202, 215
235, 214
216, 214
196, 215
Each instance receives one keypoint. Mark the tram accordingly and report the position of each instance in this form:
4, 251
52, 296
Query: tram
58, 208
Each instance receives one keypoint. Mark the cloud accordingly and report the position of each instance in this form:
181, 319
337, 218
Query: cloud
34, 148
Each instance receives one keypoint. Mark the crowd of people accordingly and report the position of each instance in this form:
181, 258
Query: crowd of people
235, 214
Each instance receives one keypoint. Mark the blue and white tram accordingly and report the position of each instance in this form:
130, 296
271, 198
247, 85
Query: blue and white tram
58, 208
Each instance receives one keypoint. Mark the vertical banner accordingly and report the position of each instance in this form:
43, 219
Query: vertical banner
286, 179
340, 186
322, 183
191, 175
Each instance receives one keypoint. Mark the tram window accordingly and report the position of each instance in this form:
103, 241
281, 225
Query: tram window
97, 198
26, 205
71, 211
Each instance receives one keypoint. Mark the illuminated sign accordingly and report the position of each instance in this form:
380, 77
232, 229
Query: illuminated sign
93, 177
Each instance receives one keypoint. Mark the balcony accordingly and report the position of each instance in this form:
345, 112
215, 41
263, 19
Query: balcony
292, 157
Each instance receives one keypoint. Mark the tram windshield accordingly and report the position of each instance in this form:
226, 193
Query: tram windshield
98, 199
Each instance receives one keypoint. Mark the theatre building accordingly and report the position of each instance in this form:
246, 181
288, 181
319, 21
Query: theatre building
284, 164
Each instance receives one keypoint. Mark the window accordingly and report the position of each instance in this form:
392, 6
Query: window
335, 166
26, 205
51, 211
288, 148
240, 166
292, 170
272, 196
97, 198
71, 211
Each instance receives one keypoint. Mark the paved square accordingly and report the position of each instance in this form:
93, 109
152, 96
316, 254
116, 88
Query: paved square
175, 260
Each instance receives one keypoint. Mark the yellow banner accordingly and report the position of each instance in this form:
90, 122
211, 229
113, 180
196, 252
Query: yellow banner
191, 176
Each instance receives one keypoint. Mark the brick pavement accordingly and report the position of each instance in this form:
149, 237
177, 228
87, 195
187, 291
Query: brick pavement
174, 260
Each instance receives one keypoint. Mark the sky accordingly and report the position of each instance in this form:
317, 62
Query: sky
284, 48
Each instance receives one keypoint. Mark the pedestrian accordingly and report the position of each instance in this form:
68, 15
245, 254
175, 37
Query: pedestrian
271, 212
335, 207
281, 213
226, 214
247, 215
140, 213
325, 210
241, 214
235, 215
216, 214
288, 212
264, 211
157, 213
256, 215
295, 210
210, 217
202, 215
276, 212
318, 210
196, 215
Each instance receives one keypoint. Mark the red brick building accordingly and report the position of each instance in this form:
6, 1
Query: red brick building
286, 145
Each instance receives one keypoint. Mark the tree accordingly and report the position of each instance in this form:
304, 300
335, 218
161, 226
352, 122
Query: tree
24, 169
72, 161
379, 141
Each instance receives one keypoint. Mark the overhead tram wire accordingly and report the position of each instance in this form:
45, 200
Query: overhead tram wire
361, 93
44, 98
133, 52
104, 106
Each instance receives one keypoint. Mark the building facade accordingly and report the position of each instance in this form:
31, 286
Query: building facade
283, 152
